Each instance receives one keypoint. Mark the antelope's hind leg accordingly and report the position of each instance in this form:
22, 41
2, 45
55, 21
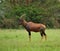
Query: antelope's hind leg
41, 35
45, 35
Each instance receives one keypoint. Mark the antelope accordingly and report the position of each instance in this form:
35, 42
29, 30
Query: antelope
33, 27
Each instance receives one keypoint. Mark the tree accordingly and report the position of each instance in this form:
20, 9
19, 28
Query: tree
40, 11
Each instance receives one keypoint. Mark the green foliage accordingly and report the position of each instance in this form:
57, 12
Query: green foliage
8, 23
40, 11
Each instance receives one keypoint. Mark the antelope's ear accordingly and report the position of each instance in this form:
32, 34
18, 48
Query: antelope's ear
22, 16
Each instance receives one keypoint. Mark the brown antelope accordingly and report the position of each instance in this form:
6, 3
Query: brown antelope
35, 27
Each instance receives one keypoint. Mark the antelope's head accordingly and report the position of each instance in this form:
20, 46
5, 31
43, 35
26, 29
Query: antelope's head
21, 19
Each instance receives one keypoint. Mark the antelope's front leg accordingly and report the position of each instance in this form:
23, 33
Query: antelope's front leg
29, 36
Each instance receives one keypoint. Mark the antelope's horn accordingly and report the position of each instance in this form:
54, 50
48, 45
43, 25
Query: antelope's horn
22, 15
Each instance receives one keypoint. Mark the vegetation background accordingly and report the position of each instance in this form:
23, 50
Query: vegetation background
39, 11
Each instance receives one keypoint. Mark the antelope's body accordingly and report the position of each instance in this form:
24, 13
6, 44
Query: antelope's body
35, 27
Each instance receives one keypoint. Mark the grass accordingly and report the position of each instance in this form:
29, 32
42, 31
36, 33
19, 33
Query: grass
17, 40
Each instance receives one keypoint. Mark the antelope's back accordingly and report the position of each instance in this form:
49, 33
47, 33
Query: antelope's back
35, 26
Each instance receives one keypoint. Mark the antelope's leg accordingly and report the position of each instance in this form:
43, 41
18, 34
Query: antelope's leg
45, 35
41, 35
29, 36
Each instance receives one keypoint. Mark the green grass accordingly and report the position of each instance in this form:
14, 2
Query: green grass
17, 40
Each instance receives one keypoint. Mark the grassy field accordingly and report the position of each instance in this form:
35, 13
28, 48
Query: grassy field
17, 40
